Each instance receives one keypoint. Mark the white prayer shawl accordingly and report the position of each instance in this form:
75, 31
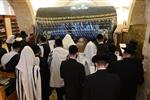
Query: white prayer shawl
59, 54
42, 50
51, 44
83, 60
28, 80
90, 51
68, 41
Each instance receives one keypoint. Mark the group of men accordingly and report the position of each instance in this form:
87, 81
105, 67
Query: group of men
40, 70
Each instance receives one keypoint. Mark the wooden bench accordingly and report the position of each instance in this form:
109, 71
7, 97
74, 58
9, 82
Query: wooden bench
12, 96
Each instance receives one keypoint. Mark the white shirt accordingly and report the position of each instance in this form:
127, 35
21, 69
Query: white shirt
59, 54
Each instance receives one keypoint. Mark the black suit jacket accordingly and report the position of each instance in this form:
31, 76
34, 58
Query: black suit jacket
45, 78
2, 52
73, 74
46, 50
131, 74
101, 86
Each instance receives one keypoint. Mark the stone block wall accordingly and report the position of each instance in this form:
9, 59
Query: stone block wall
136, 32
146, 52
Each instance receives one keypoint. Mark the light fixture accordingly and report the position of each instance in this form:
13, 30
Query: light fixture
80, 4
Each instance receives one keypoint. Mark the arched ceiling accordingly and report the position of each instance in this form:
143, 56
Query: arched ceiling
59, 3
123, 7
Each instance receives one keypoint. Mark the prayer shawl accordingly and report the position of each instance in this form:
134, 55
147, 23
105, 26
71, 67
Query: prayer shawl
28, 80
83, 60
58, 55
51, 44
68, 41
7, 57
90, 51
45, 50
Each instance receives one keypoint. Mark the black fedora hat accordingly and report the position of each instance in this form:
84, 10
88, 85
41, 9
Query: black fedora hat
130, 48
101, 57
23, 34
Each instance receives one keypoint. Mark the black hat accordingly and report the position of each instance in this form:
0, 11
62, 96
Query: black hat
23, 34
101, 57
130, 48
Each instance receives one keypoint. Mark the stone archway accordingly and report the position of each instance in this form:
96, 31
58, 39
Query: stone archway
24, 13
25, 18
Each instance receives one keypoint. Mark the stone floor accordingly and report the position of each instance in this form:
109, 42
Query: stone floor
53, 96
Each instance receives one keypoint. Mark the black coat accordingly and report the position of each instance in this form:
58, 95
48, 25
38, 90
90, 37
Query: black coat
112, 57
101, 48
12, 63
2, 52
46, 50
131, 74
73, 74
45, 78
101, 85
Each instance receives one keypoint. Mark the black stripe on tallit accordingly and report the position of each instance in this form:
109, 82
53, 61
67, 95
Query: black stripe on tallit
34, 76
37, 74
34, 83
18, 84
22, 91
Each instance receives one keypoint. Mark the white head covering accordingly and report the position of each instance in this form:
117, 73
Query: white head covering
25, 66
83, 60
67, 41
27, 59
90, 50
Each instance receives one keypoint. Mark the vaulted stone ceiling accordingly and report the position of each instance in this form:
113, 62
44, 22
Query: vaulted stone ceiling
60, 3
27, 7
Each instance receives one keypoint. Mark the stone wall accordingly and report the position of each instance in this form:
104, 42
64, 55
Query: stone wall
137, 31
138, 12
146, 52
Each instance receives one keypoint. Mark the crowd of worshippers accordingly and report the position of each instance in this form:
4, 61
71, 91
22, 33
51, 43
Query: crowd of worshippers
94, 74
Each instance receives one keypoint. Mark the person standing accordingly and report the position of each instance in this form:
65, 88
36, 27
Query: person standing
101, 85
44, 46
100, 44
73, 74
44, 71
130, 71
59, 54
28, 78
67, 41
112, 49
11, 59
10, 41
90, 51
2, 51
